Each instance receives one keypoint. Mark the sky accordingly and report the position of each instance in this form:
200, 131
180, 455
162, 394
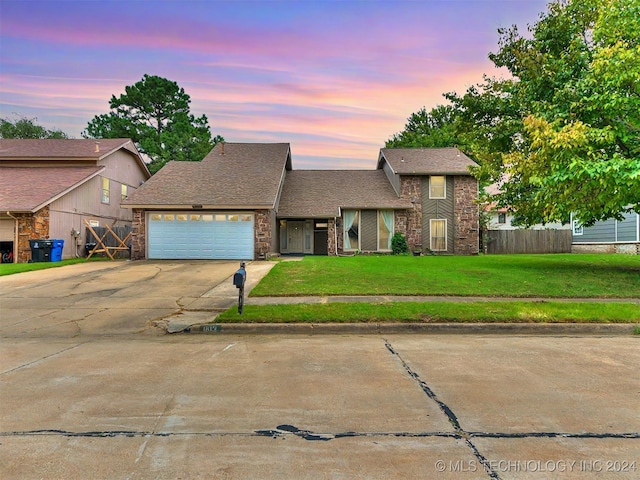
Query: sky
334, 78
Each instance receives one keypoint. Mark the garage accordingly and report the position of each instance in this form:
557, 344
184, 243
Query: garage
7, 235
202, 235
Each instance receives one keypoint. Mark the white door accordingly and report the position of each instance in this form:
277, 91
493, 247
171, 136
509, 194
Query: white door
206, 235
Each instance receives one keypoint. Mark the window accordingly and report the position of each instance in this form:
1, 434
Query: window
351, 230
502, 218
385, 229
123, 191
155, 217
577, 228
105, 190
438, 230
437, 187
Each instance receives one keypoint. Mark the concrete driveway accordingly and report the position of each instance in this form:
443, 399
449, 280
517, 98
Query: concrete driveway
115, 298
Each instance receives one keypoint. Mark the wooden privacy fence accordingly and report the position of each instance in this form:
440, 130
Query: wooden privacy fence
110, 240
527, 241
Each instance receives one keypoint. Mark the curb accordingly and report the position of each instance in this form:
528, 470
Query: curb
427, 328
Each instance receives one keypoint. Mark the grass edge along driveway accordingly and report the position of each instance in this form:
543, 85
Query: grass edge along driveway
546, 276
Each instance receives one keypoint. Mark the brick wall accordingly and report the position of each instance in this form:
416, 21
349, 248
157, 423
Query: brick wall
31, 226
466, 214
138, 235
410, 188
332, 248
263, 236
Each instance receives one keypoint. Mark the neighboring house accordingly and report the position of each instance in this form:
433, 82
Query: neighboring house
610, 236
244, 201
49, 187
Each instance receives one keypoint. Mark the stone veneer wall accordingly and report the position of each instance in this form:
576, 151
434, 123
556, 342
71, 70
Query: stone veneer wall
262, 234
466, 214
138, 235
410, 188
31, 226
332, 248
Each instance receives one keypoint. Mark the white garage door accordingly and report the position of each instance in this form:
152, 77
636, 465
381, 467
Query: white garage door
188, 235
7, 227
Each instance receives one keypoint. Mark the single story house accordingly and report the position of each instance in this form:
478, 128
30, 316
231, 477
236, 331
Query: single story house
49, 187
245, 201
609, 236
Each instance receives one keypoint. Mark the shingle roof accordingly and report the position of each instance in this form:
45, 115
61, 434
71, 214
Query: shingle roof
61, 149
321, 193
426, 161
232, 175
26, 189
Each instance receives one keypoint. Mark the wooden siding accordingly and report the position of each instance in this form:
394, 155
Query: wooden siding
85, 202
369, 230
393, 178
527, 241
611, 231
433, 209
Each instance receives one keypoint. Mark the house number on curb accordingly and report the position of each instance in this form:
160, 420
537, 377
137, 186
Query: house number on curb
210, 328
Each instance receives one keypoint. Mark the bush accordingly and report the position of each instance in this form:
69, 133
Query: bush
399, 244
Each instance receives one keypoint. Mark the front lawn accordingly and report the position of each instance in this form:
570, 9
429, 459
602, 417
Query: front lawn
428, 312
550, 276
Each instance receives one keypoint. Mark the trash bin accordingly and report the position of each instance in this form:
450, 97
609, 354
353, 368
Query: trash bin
40, 250
88, 247
56, 250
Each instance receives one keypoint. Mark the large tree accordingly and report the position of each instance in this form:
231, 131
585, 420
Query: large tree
562, 134
24, 127
428, 129
155, 114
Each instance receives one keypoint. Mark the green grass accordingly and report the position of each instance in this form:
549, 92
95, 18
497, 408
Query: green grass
11, 268
549, 276
468, 312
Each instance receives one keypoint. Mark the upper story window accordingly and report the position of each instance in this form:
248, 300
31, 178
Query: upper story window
502, 218
437, 187
123, 191
105, 190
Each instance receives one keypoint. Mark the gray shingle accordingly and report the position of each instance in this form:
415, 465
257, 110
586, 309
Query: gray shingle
426, 161
321, 193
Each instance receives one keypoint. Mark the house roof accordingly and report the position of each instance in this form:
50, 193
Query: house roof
322, 193
426, 161
27, 189
232, 175
62, 149
35, 172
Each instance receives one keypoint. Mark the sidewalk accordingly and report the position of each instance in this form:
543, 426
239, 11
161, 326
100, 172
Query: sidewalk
198, 315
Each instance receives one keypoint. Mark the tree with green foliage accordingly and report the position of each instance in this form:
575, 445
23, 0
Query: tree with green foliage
562, 135
155, 114
428, 129
24, 127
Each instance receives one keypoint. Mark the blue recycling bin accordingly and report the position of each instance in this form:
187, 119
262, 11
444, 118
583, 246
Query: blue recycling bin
56, 250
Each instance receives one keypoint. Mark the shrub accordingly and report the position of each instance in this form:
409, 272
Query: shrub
399, 244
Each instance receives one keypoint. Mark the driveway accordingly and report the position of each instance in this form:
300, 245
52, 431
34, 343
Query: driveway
113, 298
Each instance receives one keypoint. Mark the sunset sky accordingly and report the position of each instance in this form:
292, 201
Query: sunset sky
335, 79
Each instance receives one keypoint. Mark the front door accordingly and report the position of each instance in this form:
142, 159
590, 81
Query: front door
295, 232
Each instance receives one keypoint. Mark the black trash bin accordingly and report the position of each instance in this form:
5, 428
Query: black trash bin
41, 250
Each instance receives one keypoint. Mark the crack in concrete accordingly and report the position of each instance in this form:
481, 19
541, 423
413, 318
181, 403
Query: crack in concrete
283, 430
35, 362
453, 419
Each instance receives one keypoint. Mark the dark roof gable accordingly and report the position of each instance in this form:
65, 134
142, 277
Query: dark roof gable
232, 175
426, 161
